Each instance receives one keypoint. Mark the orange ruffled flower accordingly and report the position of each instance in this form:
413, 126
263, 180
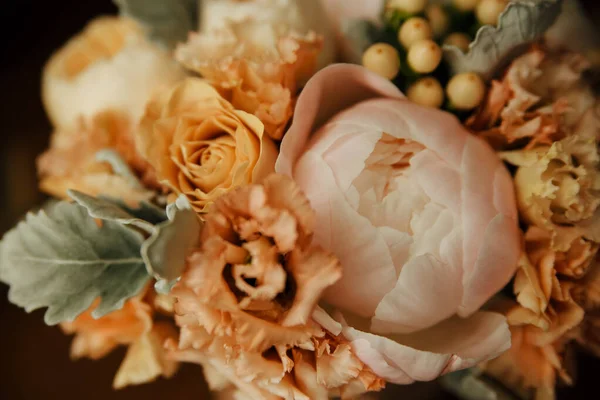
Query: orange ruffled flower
245, 302
71, 163
131, 326
256, 66
548, 117
540, 99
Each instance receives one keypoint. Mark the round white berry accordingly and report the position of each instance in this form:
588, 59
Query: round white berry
438, 20
488, 11
409, 6
413, 30
465, 5
424, 56
459, 40
383, 59
427, 92
465, 91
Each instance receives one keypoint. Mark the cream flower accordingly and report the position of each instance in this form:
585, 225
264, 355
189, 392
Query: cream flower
71, 163
132, 326
301, 17
257, 66
200, 145
558, 188
110, 65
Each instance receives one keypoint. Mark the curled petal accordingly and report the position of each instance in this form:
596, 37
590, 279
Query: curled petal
423, 356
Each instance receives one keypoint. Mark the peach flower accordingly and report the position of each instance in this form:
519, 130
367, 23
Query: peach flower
421, 215
131, 326
109, 65
71, 161
257, 66
245, 302
200, 145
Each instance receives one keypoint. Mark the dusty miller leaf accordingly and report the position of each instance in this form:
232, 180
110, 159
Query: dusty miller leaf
165, 252
144, 217
168, 22
520, 24
472, 384
61, 259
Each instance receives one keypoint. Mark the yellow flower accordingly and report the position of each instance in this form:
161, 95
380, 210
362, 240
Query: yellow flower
200, 145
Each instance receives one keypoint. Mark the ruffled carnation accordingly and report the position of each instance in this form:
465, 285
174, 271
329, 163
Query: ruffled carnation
256, 65
545, 116
246, 300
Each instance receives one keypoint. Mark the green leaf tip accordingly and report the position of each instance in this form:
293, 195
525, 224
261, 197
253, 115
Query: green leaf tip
519, 24
166, 251
167, 22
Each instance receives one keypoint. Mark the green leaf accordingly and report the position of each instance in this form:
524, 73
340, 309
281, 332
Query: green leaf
165, 252
168, 22
472, 384
520, 24
144, 217
60, 258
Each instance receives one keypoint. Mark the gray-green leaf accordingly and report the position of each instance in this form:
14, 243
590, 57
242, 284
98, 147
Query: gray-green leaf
144, 217
472, 384
165, 252
60, 258
168, 22
520, 24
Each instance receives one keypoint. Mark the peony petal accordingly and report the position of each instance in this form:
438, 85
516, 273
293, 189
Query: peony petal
360, 288
350, 83
449, 346
428, 290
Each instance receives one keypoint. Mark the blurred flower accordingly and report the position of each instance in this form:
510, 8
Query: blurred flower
200, 145
133, 326
528, 367
245, 303
108, 66
279, 15
421, 216
71, 163
256, 65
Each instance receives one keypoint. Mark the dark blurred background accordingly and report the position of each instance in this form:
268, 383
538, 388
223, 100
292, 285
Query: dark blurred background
34, 358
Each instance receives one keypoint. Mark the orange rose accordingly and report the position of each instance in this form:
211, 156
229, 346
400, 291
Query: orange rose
200, 145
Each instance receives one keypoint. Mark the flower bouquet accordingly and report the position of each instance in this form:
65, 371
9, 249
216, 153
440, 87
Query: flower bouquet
230, 194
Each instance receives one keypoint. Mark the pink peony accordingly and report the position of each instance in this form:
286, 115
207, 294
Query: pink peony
421, 215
